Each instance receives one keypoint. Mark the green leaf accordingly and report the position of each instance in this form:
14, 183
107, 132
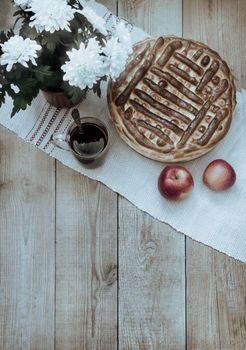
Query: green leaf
23, 98
75, 3
27, 32
19, 104
19, 72
51, 41
2, 96
3, 37
42, 73
10, 33
3, 78
10, 91
97, 89
75, 94
47, 78
28, 90
28, 86
19, 12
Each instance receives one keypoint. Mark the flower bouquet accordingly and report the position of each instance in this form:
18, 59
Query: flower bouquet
61, 46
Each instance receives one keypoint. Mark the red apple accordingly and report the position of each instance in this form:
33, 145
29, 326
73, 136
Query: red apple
175, 182
219, 175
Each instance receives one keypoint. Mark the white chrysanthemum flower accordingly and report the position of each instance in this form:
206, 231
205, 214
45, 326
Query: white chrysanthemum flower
96, 21
85, 65
19, 50
23, 3
116, 57
124, 36
51, 15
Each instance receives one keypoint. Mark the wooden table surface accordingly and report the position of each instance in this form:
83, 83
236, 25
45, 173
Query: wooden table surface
82, 268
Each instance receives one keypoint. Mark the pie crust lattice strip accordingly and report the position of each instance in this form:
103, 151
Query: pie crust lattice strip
174, 101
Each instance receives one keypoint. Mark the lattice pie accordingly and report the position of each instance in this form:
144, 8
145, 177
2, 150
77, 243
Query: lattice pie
174, 101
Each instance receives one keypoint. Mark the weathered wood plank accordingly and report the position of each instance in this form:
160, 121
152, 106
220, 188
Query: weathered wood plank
216, 284
27, 249
6, 11
216, 300
156, 17
27, 232
151, 283
86, 258
86, 261
221, 24
151, 254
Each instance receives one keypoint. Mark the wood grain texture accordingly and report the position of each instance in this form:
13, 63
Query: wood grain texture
27, 254
216, 284
216, 300
151, 283
221, 25
86, 257
86, 261
151, 255
156, 17
27, 232
6, 11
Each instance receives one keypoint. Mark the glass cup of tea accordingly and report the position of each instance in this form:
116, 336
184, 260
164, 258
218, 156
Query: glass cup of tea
88, 145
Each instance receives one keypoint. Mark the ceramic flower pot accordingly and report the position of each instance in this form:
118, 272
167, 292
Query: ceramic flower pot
57, 99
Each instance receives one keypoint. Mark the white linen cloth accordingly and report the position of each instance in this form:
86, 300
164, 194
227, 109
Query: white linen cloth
215, 219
